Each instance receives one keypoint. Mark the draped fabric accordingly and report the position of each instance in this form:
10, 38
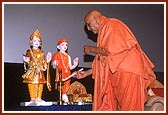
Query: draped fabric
34, 75
125, 58
63, 63
37, 66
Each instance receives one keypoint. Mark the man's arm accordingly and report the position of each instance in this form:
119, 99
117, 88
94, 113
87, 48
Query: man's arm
96, 50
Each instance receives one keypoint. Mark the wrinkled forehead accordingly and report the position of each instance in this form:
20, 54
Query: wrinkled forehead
87, 18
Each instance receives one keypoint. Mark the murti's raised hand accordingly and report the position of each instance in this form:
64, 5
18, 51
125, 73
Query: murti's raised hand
49, 54
76, 61
26, 59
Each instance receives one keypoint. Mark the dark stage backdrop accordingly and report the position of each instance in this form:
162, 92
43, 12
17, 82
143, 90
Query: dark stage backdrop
56, 20
15, 91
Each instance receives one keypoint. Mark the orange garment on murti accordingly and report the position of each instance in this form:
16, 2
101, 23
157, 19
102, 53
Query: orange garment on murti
34, 76
63, 63
122, 77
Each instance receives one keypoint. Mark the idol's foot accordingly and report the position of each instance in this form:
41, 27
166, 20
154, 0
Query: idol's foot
39, 100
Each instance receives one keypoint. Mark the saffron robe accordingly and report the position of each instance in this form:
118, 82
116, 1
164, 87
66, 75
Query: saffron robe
126, 71
63, 63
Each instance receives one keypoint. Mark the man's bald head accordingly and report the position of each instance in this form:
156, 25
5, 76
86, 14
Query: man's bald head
92, 20
93, 13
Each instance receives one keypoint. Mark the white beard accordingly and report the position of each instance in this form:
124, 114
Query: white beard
95, 32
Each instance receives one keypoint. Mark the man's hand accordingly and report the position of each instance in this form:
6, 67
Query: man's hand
87, 49
80, 75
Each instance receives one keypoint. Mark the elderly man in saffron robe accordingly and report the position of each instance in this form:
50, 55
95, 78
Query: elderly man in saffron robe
121, 70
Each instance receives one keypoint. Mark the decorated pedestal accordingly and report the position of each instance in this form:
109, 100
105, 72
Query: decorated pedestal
77, 93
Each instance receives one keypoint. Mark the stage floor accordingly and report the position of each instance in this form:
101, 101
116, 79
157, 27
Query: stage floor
53, 107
